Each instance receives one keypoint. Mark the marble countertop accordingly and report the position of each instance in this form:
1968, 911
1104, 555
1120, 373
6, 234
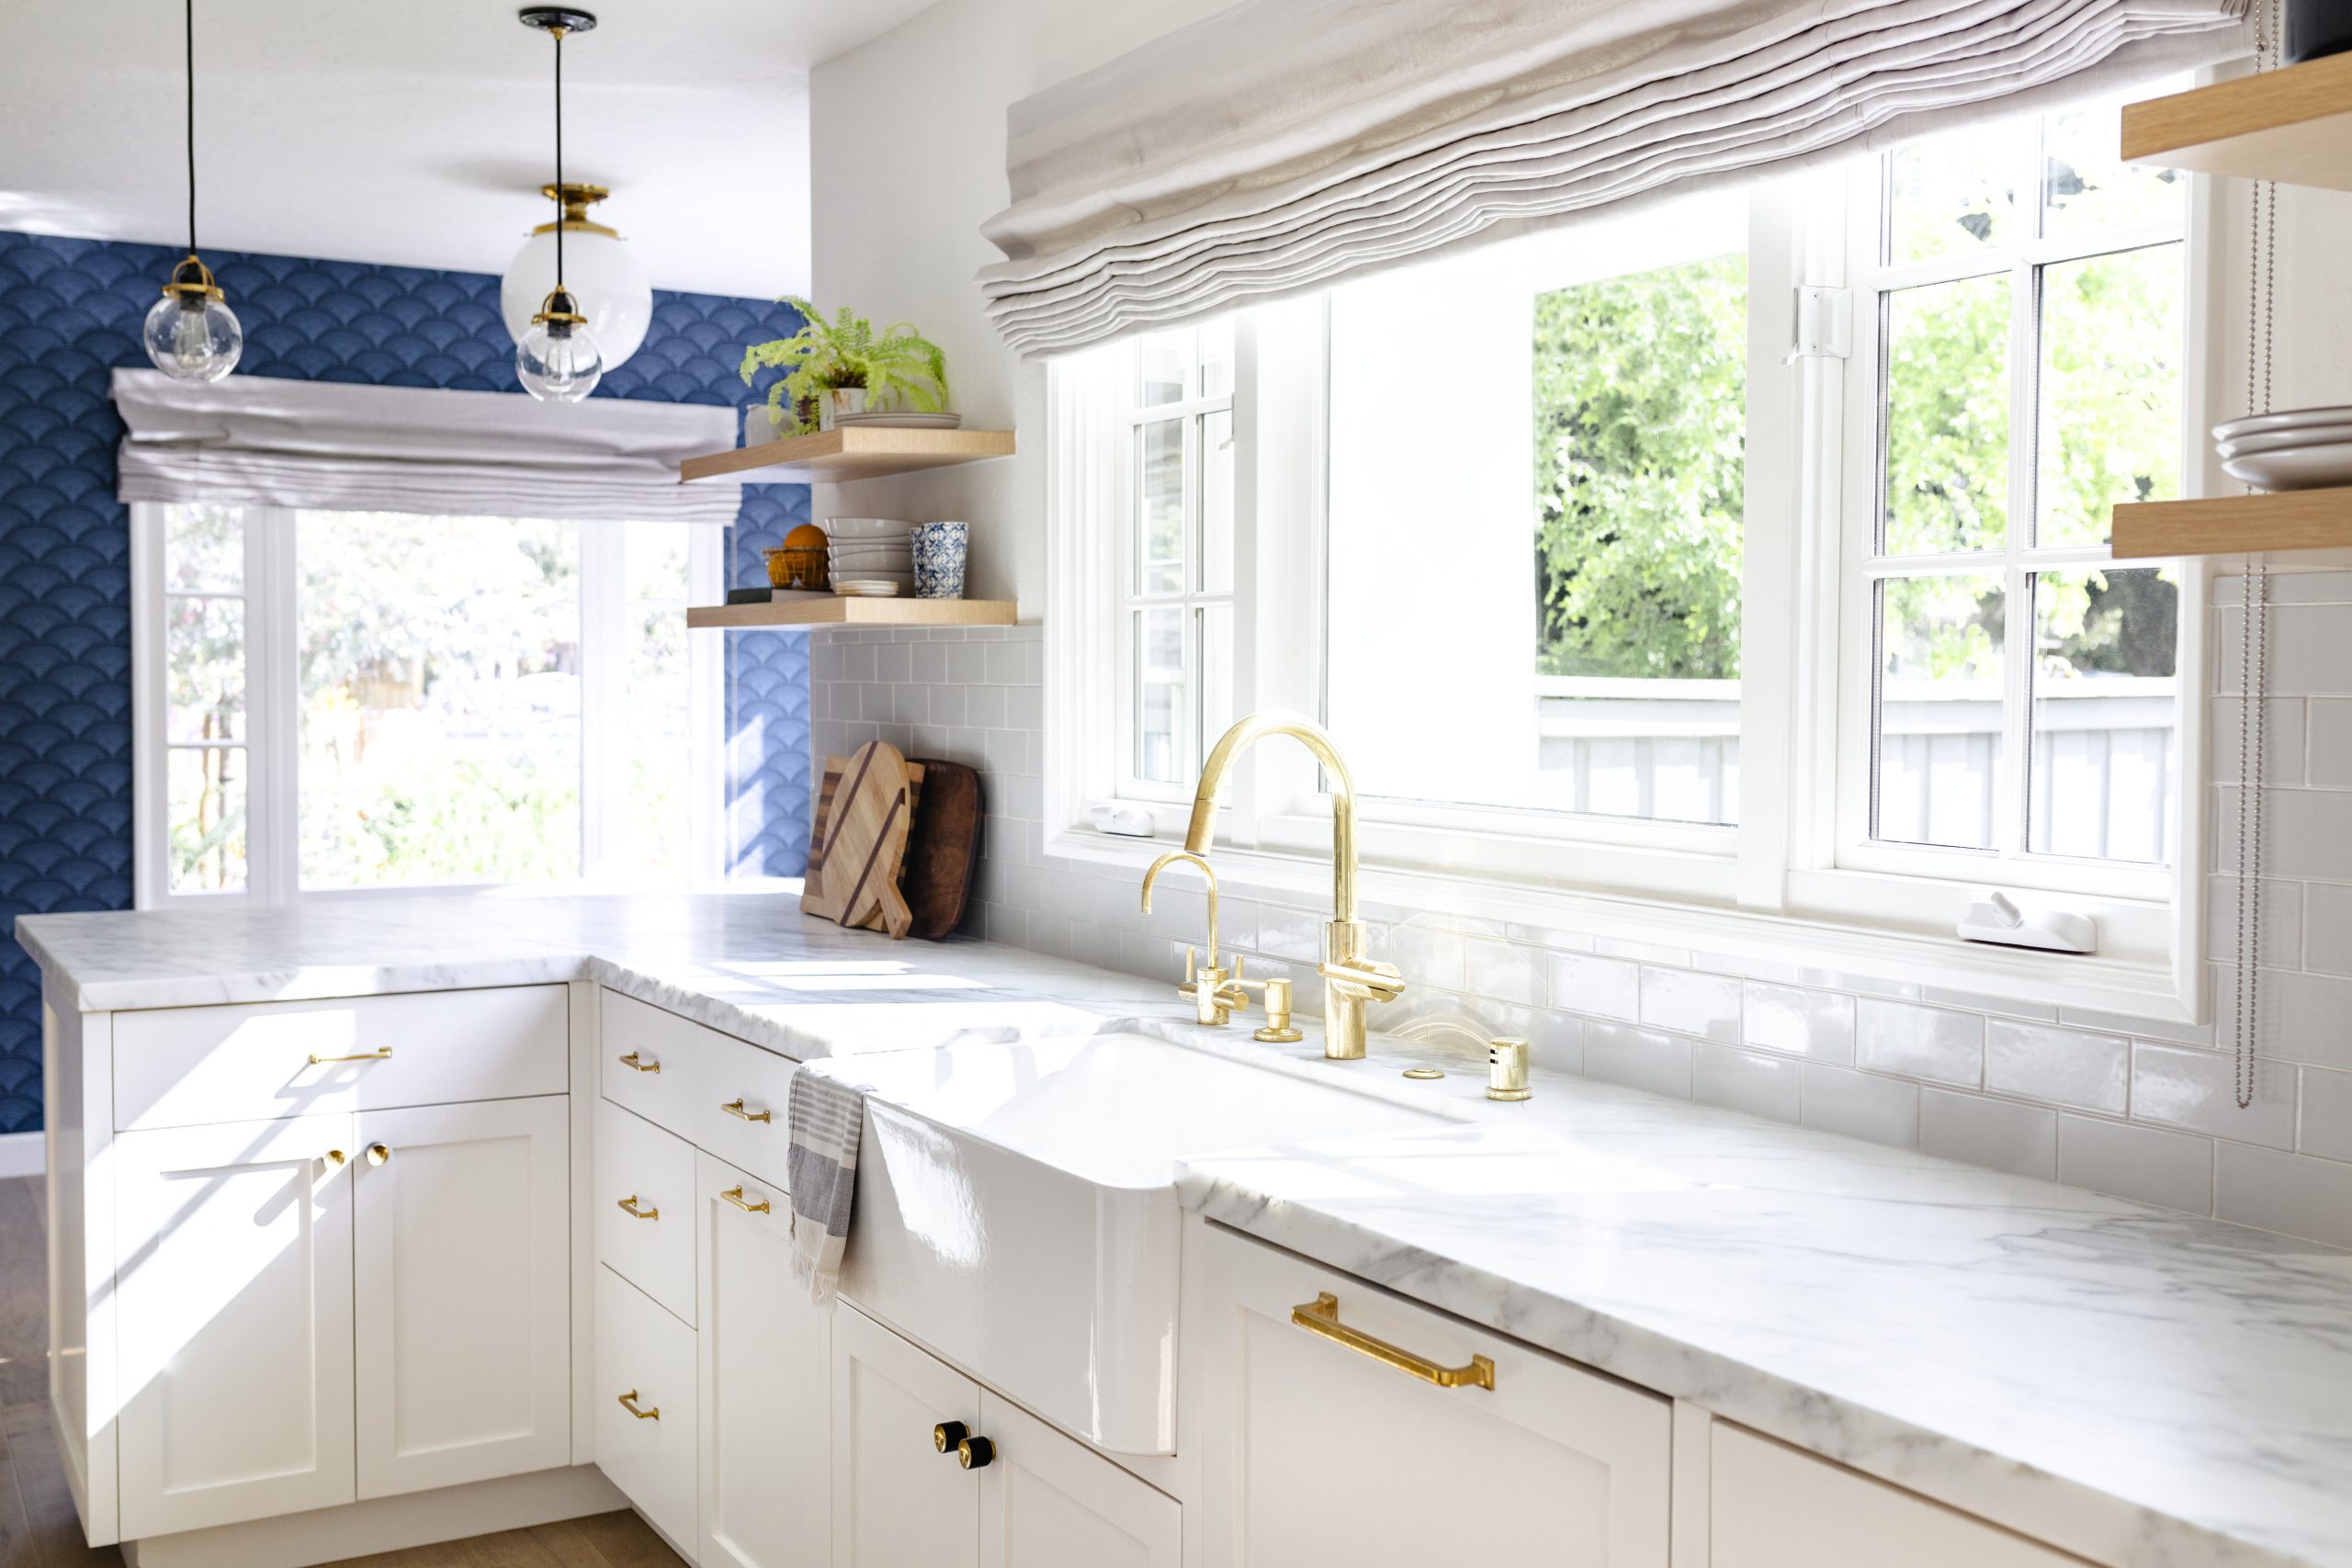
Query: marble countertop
2136, 1386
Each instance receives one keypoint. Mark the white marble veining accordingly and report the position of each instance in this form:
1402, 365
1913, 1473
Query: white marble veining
748, 965
2141, 1387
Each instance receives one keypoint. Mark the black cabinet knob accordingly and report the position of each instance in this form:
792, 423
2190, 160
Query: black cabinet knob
947, 1435
974, 1453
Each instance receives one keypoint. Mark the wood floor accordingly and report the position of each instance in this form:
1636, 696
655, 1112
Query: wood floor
38, 1529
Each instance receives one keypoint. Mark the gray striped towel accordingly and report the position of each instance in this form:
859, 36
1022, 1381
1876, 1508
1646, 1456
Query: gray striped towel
821, 1166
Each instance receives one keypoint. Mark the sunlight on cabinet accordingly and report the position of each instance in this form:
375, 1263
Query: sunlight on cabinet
1315, 1451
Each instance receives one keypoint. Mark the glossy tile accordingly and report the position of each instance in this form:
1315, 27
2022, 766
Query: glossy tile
2329, 738
2325, 1114
2180, 1087
2293, 1194
1996, 1133
2058, 1066
1506, 971
1601, 988
1753, 1081
2327, 927
1691, 1002
1818, 1024
1934, 1044
2171, 1169
1884, 1111
1638, 1059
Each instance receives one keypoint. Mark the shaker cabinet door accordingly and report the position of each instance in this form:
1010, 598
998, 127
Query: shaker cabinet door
1047, 1501
899, 1500
1319, 1444
462, 1251
233, 1264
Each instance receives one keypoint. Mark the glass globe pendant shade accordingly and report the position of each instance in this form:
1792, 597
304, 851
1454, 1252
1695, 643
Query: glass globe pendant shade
598, 270
557, 360
190, 332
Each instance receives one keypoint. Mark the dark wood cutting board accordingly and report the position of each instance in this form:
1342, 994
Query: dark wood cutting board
942, 847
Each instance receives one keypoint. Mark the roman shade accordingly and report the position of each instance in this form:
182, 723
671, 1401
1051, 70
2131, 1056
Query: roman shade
260, 441
1281, 145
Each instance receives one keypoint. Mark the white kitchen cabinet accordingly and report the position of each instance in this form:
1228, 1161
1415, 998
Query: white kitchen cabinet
764, 1365
1038, 1499
645, 1207
462, 1262
1318, 1450
646, 1431
1771, 1506
233, 1265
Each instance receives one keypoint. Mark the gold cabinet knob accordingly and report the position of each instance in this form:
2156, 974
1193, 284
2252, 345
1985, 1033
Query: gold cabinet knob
336, 1157
379, 1153
628, 1402
628, 1206
947, 1435
636, 1063
735, 1108
975, 1453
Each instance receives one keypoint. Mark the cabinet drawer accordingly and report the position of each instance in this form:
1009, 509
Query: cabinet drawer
650, 1061
195, 1066
739, 1107
643, 1352
652, 1242
1771, 1506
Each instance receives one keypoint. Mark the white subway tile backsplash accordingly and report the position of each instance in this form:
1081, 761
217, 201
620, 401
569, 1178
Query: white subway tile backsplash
2302, 1017
1655, 953
1597, 986
1753, 1081
2314, 827
2325, 1114
1934, 1044
1691, 1002
1998, 1135
2181, 1087
2283, 737
1861, 1105
1638, 1059
2282, 919
2293, 1194
1506, 971
2141, 1163
2058, 1066
1819, 1024
2329, 742
2306, 655
1429, 956
2327, 927
2139, 1028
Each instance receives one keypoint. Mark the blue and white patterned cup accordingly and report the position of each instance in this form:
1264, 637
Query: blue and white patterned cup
940, 551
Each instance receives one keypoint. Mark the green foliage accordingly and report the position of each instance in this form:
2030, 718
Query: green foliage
1640, 429
898, 366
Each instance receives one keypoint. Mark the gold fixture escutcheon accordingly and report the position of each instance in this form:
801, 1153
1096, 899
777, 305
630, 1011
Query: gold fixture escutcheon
379, 1153
628, 1402
628, 1206
380, 1053
637, 1064
735, 1108
1321, 1317
735, 1195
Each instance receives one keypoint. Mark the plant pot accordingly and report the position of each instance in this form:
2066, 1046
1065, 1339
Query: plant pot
760, 426
839, 400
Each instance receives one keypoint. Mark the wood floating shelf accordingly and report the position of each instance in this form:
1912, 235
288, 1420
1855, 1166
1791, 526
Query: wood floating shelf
849, 611
860, 452
2282, 519
2293, 125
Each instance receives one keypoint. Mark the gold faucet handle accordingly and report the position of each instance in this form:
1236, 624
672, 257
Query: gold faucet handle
1276, 990
1213, 993
1368, 979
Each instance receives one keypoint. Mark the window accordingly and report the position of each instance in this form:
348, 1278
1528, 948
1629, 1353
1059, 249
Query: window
2024, 295
1747, 551
347, 701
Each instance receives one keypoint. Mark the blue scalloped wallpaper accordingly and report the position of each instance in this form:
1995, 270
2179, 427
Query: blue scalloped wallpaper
68, 311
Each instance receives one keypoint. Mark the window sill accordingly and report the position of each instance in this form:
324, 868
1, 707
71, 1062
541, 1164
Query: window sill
2164, 988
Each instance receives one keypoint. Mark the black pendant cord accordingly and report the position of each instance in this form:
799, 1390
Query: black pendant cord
559, 213
190, 11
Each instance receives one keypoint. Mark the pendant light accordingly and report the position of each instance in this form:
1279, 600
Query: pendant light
191, 334
557, 360
599, 272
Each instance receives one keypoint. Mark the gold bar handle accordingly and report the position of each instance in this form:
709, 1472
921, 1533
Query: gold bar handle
1321, 1317
637, 1064
735, 1196
628, 1206
735, 1108
380, 1053
628, 1402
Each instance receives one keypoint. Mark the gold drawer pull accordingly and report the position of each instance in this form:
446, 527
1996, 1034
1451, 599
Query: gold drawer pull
380, 1053
634, 1065
628, 1402
628, 1207
735, 1108
1321, 1316
735, 1196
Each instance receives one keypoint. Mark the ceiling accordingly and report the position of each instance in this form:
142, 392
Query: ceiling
419, 133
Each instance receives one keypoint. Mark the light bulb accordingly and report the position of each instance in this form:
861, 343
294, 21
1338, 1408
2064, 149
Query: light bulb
557, 360
193, 337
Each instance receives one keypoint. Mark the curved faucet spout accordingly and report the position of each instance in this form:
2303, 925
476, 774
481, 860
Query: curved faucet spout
1162, 865
1202, 830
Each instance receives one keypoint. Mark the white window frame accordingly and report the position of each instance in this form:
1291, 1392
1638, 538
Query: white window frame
272, 717
1780, 885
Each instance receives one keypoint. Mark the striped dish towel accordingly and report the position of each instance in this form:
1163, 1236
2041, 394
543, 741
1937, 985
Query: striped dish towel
821, 1166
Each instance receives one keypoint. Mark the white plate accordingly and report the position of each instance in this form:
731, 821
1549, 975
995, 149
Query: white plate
866, 588
848, 530
2284, 419
899, 418
2299, 468
2280, 440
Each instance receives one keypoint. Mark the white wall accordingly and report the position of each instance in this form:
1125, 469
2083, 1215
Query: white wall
907, 153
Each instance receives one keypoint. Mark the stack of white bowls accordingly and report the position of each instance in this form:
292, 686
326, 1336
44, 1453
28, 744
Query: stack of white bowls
870, 550
2294, 450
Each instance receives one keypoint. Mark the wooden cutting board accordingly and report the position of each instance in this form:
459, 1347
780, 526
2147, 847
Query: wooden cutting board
864, 843
821, 821
941, 849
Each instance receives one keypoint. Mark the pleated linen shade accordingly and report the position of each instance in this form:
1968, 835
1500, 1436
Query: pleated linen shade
1282, 145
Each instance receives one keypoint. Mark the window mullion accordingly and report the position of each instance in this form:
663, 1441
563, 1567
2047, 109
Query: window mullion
274, 707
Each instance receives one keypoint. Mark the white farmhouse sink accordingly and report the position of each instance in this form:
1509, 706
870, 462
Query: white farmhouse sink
1016, 1209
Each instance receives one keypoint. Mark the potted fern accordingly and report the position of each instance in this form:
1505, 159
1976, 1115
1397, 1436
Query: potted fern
843, 366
